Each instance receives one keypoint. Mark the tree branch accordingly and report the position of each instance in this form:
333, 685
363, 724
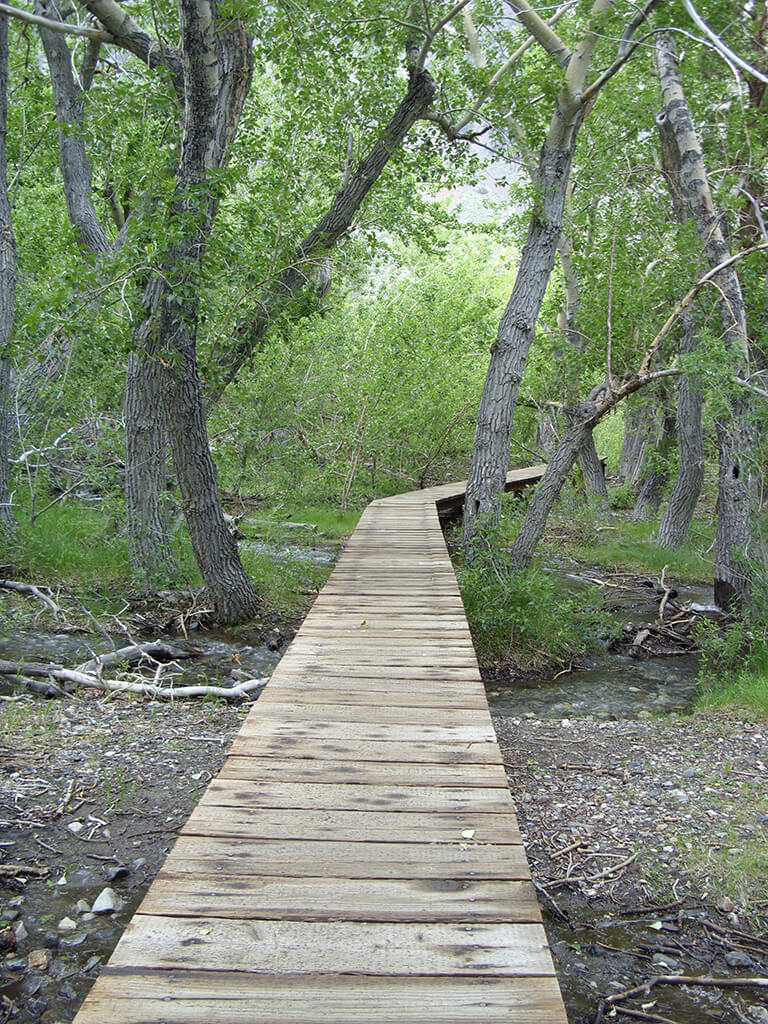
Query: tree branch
126, 33
627, 47
541, 31
56, 26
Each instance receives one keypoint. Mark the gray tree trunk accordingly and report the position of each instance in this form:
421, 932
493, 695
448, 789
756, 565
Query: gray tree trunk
736, 500
509, 353
673, 528
638, 429
681, 506
649, 498
581, 423
217, 66
7, 296
147, 524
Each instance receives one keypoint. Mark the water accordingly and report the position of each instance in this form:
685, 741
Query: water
612, 685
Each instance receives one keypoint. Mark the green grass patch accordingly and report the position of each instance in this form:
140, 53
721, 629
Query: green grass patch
623, 544
734, 669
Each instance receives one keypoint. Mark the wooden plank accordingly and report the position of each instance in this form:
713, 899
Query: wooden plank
244, 897
291, 858
400, 695
296, 733
129, 996
339, 711
367, 750
344, 947
306, 769
245, 793
352, 826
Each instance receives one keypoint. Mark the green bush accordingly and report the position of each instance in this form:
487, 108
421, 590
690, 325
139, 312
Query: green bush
521, 618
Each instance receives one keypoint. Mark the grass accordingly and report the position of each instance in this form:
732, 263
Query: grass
622, 544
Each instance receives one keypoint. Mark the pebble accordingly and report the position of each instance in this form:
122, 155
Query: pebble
680, 795
758, 1014
107, 902
737, 958
66, 926
21, 932
38, 960
76, 827
665, 961
82, 907
117, 874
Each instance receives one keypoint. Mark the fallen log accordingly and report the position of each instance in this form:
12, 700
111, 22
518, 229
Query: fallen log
20, 672
158, 650
27, 588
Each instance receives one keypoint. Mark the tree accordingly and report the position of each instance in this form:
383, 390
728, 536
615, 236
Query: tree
7, 294
510, 350
735, 542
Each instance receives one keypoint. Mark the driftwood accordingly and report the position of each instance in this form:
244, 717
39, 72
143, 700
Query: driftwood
682, 979
158, 650
20, 672
27, 588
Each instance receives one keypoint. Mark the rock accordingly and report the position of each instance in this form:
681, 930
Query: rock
76, 827
737, 958
680, 795
107, 902
38, 960
66, 926
758, 1014
51, 940
726, 905
82, 907
117, 874
11, 913
667, 962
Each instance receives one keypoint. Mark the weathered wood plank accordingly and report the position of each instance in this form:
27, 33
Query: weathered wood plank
344, 947
357, 749
126, 996
286, 858
352, 826
245, 793
383, 773
246, 897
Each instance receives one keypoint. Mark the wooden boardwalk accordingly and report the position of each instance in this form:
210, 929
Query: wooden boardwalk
358, 858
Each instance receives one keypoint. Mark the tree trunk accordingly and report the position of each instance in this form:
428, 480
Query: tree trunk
592, 470
649, 499
217, 69
681, 506
581, 422
736, 501
638, 426
7, 296
495, 418
152, 559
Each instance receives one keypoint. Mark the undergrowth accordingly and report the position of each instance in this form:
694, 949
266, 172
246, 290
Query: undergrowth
521, 619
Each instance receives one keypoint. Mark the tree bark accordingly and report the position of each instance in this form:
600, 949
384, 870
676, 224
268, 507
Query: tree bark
217, 68
673, 528
638, 426
509, 353
736, 501
649, 499
581, 422
7, 296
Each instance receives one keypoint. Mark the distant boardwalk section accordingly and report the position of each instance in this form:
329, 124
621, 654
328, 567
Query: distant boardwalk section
358, 858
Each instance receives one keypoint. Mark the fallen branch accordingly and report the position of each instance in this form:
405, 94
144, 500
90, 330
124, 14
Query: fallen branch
20, 671
12, 870
684, 979
27, 588
134, 653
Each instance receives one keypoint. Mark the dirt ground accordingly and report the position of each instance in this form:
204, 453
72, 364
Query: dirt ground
638, 832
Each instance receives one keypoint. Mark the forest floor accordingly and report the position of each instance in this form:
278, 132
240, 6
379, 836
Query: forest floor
638, 833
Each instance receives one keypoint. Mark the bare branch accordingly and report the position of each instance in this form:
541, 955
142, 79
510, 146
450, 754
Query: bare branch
97, 34
128, 34
718, 43
541, 31
421, 60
